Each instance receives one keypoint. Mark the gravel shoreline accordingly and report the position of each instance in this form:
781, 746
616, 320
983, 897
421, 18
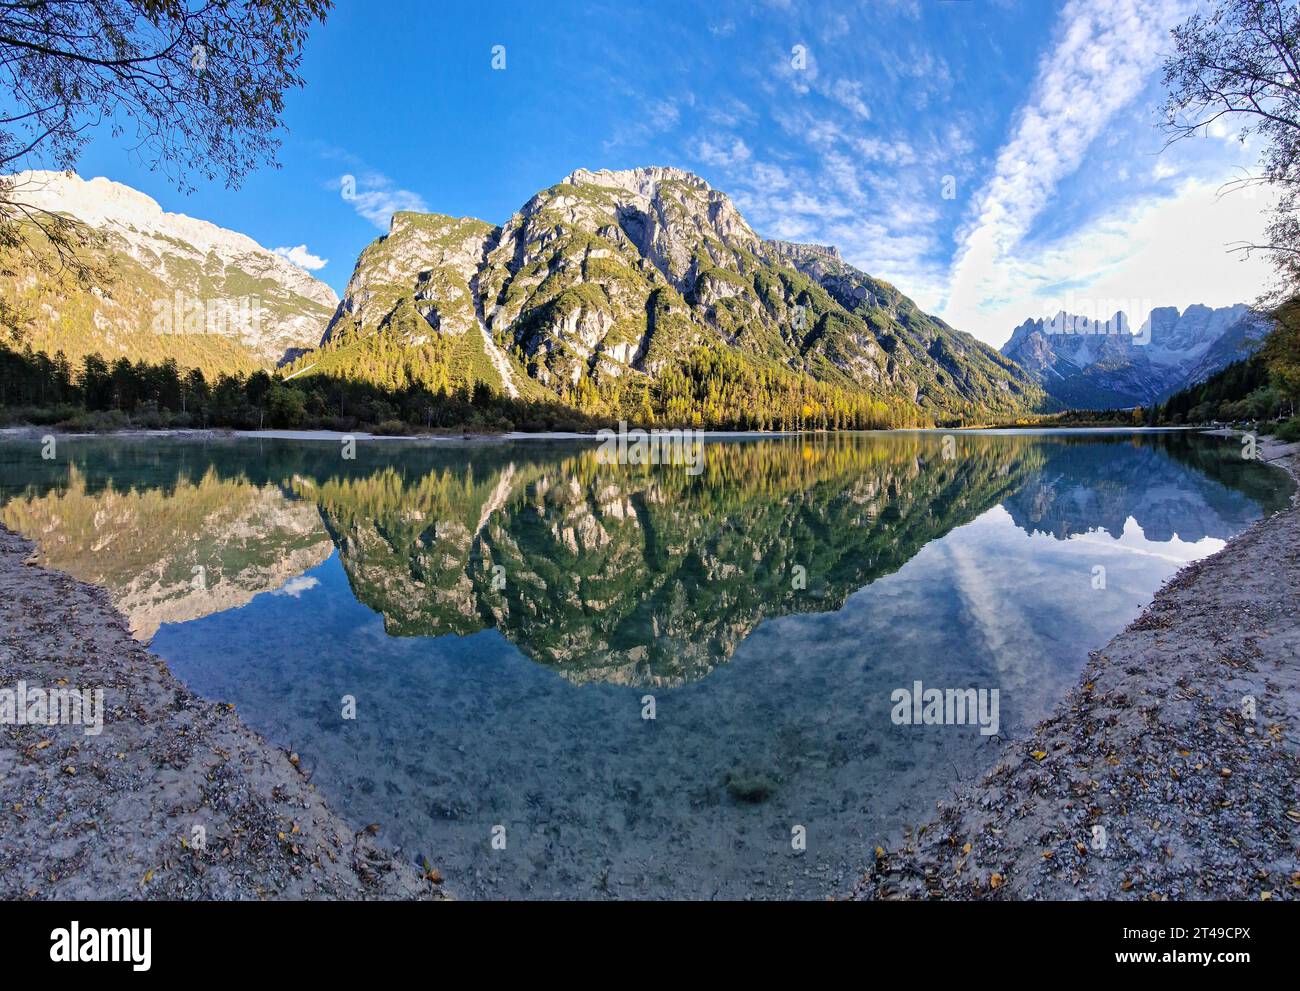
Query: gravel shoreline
1152, 780
175, 798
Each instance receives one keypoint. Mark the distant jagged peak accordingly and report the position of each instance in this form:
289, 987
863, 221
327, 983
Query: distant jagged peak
1199, 315
1104, 361
1073, 323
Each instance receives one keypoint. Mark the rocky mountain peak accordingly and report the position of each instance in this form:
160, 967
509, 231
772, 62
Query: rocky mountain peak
639, 181
1104, 364
102, 203
428, 259
202, 278
624, 273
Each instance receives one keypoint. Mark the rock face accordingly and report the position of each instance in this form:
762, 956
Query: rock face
1104, 365
614, 274
168, 275
628, 577
427, 261
208, 546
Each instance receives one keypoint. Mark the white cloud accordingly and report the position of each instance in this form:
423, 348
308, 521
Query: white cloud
909, 8
769, 179
1103, 52
294, 587
729, 113
374, 197
301, 257
885, 152
817, 132
835, 26
663, 114
1163, 170
798, 66
722, 151
843, 172
918, 74
1225, 130
1162, 250
848, 94
656, 117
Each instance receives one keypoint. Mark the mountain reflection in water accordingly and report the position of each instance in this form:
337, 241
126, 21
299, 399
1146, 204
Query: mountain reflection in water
446, 587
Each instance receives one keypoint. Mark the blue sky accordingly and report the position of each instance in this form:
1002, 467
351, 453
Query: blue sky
836, 123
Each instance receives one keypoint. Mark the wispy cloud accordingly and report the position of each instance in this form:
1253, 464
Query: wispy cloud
656, 117
875, 149
835, 26
848, 94
726, 111
1101, 56
376, 197
797, 66
882, 223
721, 151
917, 74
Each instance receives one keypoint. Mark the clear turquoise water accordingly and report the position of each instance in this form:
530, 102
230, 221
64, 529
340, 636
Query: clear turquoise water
500, 613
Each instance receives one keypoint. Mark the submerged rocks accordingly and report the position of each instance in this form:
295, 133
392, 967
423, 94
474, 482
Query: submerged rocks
754, 785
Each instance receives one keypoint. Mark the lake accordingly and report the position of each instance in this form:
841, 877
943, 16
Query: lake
556, 677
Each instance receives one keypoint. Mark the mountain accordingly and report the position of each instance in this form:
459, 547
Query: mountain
636, 576
609, 281
174, 287
203, 547
1090, 364
612, 573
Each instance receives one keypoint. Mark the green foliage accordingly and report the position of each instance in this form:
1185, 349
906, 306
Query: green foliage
1281, 350
1289, 431
1201, 402
713, 386
721, 388
286, 405
1265, 386
37, 389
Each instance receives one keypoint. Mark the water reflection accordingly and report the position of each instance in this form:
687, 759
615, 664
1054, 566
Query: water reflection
499, 613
